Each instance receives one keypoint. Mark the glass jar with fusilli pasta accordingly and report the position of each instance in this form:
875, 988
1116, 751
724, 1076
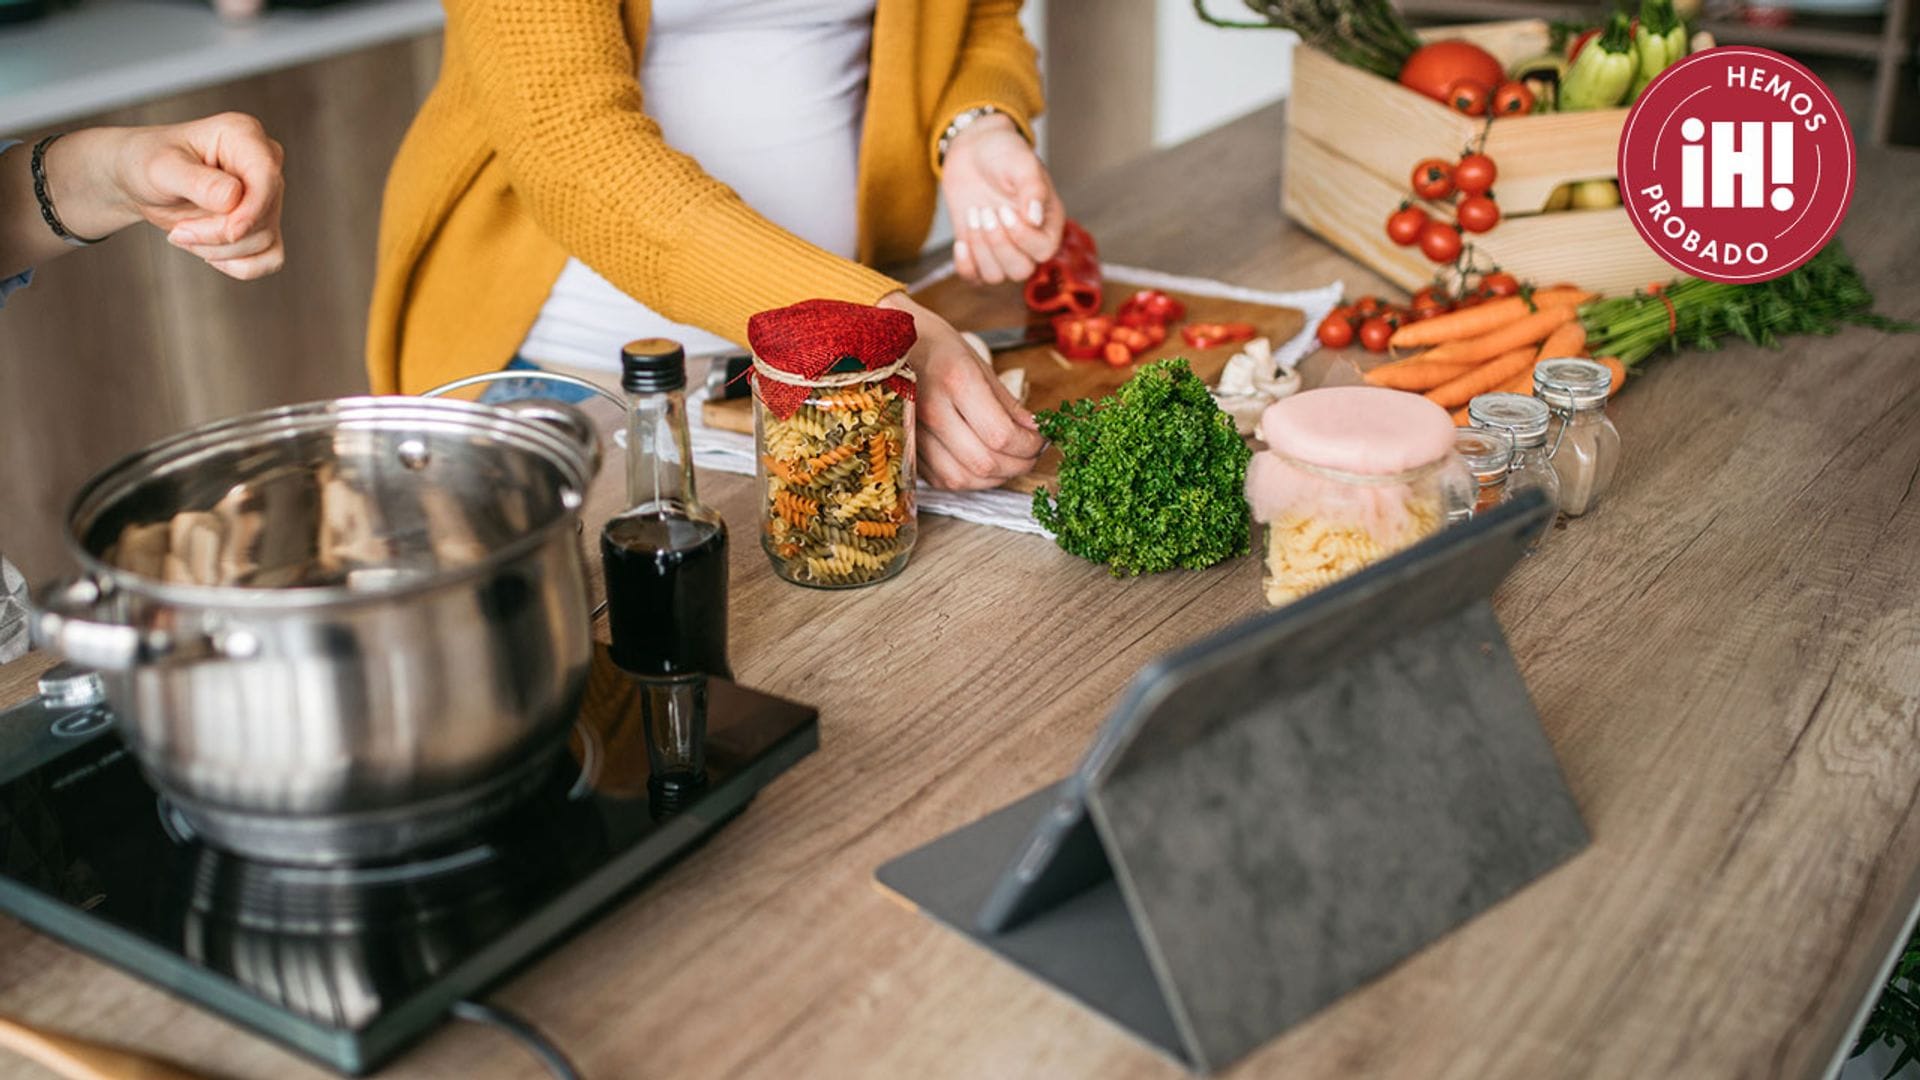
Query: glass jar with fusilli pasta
1350, 475
834, 434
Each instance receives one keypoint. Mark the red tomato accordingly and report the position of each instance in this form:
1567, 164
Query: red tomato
1428, 310
1404, 226
1477, 213
1434, 68
1117, 354
1512, 98
1469, 97
1335, 332
1475, 174
1366, 306
1440, 242
1500, 284
1428, 296
1345, 313
1433, 179
1374, 334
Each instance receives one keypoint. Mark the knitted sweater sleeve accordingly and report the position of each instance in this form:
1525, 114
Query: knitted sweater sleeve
553, 85
998, 66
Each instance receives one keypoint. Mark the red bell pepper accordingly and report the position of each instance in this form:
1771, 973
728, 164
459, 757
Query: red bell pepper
1081, 337
1207, 335
1070, 281
1150, 307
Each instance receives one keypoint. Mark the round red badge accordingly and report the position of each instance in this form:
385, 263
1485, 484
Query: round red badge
1736, 164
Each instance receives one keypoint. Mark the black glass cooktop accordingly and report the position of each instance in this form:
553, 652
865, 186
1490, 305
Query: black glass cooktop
349, 965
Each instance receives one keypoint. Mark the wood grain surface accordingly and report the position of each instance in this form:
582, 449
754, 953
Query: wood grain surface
1726, 657
1051, 378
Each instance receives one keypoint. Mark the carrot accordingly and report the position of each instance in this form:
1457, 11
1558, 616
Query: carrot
1619, 373
1568, 340
1483, 319
1460, 418
1528, 331
1488, 376
1415, 374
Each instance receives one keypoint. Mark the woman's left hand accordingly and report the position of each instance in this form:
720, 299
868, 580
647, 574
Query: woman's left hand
1006, 215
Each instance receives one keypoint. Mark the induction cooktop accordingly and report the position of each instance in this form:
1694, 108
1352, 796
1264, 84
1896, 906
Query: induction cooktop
350, 965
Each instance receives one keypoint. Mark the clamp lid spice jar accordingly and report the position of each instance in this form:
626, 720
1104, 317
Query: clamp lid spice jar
834, 433
1351, 474
1525, 419
1587, 447
1487, 455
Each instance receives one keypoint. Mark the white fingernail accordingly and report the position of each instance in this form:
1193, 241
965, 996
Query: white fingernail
1036, 212
1009, 217
987, 221
960, 249
973, 217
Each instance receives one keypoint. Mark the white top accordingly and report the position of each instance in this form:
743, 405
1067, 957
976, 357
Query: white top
768, 96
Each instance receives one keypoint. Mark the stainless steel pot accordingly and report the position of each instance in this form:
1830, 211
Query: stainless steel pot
339, 631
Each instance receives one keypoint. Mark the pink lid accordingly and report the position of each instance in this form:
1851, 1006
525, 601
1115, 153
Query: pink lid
1358, 429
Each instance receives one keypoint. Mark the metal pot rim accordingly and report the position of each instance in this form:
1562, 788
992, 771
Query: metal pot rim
113, 482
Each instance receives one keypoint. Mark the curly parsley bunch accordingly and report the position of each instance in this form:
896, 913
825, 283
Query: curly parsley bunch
1151, 478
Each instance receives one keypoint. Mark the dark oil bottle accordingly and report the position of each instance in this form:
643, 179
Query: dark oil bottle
666, 570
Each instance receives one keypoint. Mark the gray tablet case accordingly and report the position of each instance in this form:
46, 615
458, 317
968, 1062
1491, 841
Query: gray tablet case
1280, 812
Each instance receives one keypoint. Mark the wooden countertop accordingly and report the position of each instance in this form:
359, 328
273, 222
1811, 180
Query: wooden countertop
1726, 657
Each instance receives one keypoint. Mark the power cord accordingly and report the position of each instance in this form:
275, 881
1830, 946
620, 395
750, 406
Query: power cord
538, 1045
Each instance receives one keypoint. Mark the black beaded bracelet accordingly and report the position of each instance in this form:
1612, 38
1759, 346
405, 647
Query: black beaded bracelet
38, 165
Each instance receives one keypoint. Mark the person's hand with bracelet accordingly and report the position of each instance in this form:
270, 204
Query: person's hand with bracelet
1006, 215
213, 185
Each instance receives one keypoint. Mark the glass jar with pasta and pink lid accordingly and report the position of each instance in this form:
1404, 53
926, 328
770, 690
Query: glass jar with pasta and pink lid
1350, 475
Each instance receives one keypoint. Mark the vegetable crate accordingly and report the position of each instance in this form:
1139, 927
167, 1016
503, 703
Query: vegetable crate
1353, 139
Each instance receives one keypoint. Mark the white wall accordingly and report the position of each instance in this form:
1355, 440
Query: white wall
1206, 76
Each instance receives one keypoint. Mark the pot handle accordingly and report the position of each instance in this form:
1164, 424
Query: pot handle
66, 620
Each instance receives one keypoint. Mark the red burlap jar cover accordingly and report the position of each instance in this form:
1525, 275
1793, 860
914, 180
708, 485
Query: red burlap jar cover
817, 339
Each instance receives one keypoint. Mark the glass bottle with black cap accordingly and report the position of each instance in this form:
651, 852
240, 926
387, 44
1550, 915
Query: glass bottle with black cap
666, 567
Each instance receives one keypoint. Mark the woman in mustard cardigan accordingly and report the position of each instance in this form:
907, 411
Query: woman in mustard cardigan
590, 171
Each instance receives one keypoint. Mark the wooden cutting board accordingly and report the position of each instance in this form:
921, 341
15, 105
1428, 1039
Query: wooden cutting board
1052, 379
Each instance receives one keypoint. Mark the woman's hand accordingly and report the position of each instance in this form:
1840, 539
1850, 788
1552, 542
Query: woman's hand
212, 185
1006, 215
972, 434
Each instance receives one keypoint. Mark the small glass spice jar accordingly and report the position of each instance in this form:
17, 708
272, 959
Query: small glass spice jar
834, 432
1524, 419
1350, 475
1586, 448
1487, 455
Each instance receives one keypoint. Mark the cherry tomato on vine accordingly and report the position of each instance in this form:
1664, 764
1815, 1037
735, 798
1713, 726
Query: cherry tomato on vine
1475, 174
1366, 305
1428, 296
1469, 97
1404, 226
1336, 332
1477, 213
1374, 334
1512, 98
1440, 241
1500, 284
1433, 179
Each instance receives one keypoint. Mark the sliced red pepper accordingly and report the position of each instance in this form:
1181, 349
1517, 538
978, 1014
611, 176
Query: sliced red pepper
1070, 281
1117, 354
1136, 339
1081, 337
1150, 306
1207, 335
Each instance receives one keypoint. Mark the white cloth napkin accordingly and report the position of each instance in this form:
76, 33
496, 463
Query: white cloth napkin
732, 452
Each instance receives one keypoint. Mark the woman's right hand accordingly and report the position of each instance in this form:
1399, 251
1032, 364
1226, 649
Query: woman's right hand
972, 434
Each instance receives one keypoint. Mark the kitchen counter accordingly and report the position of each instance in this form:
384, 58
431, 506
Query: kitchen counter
1726, 657
105, 54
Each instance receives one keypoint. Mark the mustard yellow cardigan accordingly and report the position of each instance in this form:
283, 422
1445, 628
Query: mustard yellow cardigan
534, 145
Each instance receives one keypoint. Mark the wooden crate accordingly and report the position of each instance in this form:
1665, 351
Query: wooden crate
1354, 137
